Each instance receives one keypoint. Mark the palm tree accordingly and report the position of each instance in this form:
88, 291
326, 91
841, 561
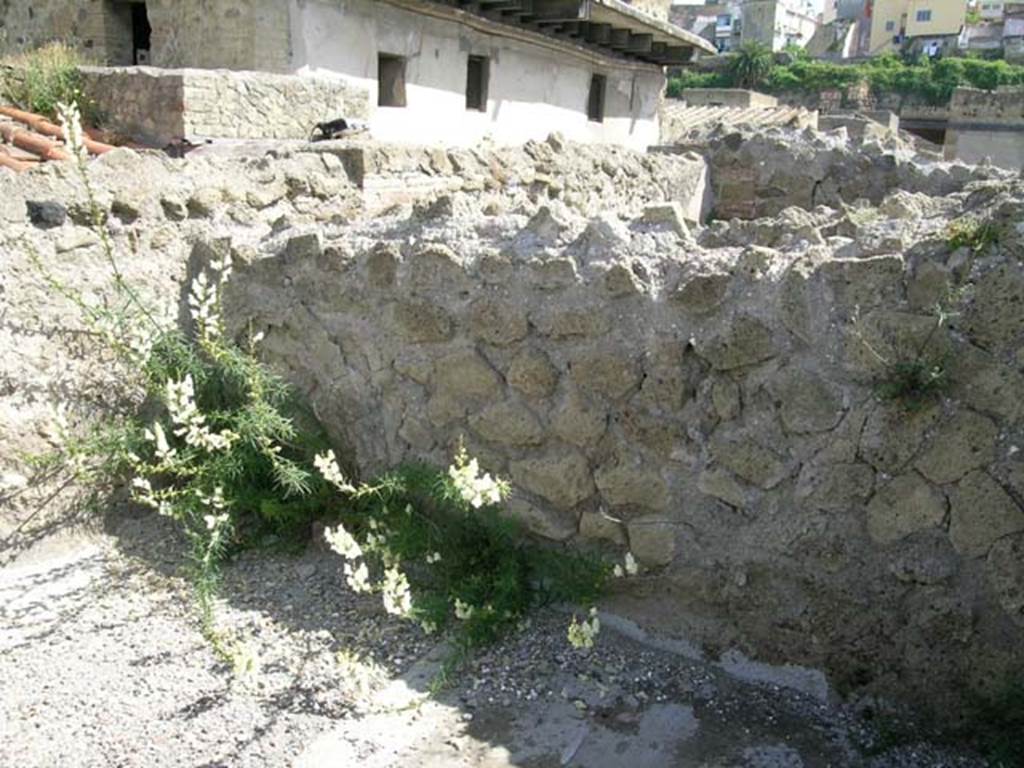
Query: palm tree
751, 64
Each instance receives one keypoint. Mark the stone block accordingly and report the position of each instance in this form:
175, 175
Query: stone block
561, 477
723, 486
382, 265
598, 526
508, 423
964, 443
863, 282
435, 266
632, 484
302, 247
652, 540
903, 506
807, 402
579, 422
204, 202
621, 281
553, 274
532, 373
985, 384
669, 215
580, 323
497, 322
835, 487
725, 398
992, 318
554, 524
1005, 569
892, 435
423, 322
747, 341
547, 225
746, 459
981, 513
699, 294
608, 372
467, 374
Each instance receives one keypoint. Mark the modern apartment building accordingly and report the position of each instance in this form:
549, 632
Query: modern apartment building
930, 26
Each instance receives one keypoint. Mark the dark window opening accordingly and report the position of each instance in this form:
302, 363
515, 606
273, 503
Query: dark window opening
595, 100
390, 80
141, 34
477, 75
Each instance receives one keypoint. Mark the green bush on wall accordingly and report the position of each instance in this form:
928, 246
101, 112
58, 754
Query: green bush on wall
925, 80
39, 80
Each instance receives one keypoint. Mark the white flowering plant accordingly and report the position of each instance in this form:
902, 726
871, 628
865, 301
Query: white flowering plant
205, 433
436, 547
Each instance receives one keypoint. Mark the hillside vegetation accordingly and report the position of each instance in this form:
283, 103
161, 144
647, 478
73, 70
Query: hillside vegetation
932, 82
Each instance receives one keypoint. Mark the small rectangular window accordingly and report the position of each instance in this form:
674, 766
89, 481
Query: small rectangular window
477, 75
890, 26
924, 15
390, 80
595, 99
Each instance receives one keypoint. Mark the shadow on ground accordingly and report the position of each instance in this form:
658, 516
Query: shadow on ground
104, 651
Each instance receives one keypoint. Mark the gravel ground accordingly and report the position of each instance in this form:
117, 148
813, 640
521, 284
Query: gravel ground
102, 664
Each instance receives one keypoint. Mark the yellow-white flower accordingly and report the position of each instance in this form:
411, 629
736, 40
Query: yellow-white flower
474, 488
396, 593
463, 611
358, 578
342, 542
583, 633
629, 567
214, 521
71, 128
327, 465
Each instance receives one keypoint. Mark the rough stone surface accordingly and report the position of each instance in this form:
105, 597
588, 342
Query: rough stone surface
965, 442
652, 540
904, 506
746, 342
628, 484
744, 446
532, 373
562, 479
981, 513
1005, 567
509, 423
757, 464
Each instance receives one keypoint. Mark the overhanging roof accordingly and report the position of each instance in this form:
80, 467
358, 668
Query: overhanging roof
611, 26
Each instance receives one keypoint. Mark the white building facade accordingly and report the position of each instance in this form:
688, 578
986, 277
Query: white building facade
423, 71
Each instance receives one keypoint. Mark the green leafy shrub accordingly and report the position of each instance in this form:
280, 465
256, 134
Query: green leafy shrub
42, 79
914, 382
436, 547
976, 234
924, 80
692, 79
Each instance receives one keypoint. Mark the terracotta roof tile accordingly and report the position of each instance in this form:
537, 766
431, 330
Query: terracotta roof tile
27, 139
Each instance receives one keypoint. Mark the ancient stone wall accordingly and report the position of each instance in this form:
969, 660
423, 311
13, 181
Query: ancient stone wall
987, 124
234, 34
709, 397
757, 174
712, 404
162, 105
